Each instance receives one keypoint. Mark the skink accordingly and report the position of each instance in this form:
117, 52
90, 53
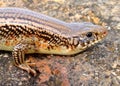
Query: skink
23, 31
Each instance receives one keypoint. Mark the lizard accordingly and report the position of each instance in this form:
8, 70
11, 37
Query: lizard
23, 31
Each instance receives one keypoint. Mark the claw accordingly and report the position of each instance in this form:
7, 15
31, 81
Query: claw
33, 72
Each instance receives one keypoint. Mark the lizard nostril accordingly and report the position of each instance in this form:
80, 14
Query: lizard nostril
105, 32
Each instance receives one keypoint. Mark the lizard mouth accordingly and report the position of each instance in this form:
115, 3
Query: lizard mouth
87, 42
97, 38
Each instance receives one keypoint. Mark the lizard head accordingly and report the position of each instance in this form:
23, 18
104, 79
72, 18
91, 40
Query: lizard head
86, 34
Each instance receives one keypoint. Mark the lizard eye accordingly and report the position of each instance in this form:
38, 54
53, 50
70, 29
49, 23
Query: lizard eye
89, 34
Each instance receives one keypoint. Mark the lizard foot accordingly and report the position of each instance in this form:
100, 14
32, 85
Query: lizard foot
26, 66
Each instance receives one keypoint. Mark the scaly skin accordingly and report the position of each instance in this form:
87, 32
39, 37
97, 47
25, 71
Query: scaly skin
24, 31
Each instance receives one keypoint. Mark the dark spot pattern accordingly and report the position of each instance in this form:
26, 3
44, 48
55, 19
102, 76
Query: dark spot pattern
41, 33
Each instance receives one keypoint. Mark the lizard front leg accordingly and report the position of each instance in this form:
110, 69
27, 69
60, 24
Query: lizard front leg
19, 54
